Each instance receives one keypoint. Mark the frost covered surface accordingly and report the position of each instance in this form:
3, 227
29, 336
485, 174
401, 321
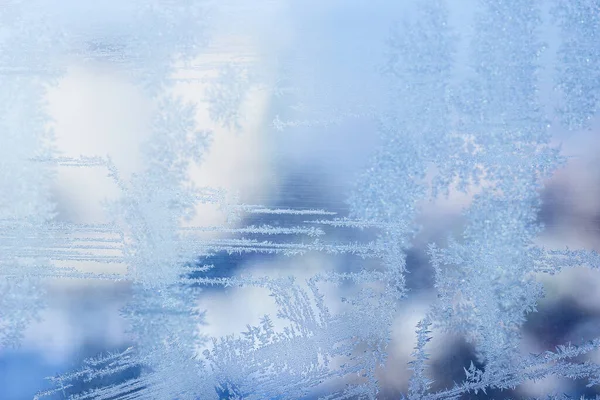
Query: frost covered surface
453, 112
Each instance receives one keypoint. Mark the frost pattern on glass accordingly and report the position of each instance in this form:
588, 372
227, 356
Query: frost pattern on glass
483, 133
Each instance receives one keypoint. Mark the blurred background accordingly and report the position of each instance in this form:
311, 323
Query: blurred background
305, 77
